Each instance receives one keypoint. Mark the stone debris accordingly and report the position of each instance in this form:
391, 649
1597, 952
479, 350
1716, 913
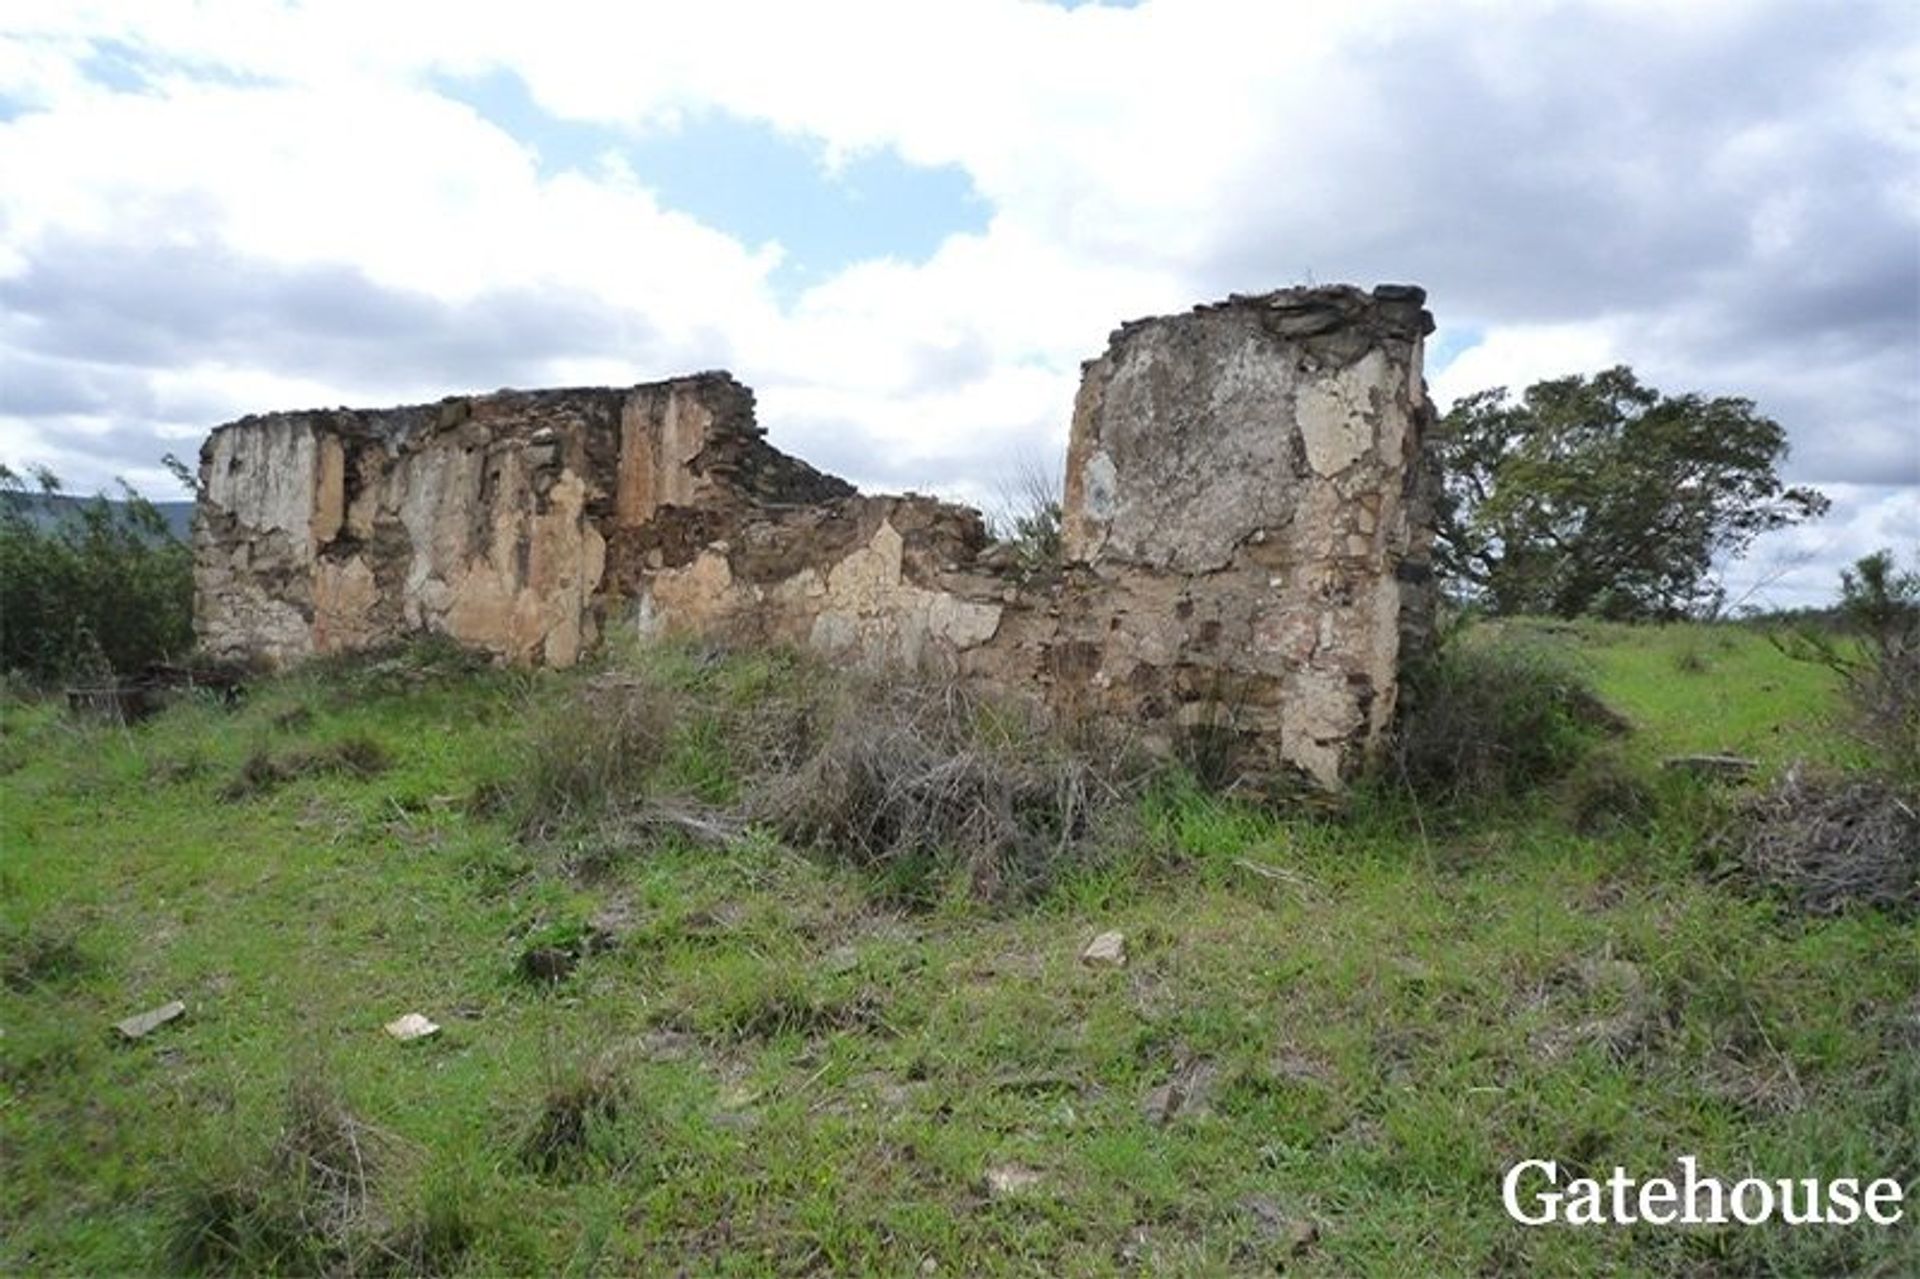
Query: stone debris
1007, 1180
1108, 950
410, 1027
1184, 1094
1727, 768
140, 1025
1244, 557
1272, 1225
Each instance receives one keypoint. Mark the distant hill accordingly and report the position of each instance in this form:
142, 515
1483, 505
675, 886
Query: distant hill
45, 510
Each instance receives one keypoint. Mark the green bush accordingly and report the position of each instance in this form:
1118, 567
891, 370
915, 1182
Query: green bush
1488, 717
90, 589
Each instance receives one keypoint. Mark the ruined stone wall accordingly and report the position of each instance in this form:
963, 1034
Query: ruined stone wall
1247, 527
1246, 491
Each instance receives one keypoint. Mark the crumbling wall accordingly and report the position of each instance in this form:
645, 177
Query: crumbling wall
1247, 522
1247, 493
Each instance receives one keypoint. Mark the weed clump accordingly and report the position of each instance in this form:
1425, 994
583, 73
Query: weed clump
1603, 795
586, 755
40, 954
921, 781
1487, 718
308, 1204
576, 1121
409, 666
916, 782
1827, 844
358, 756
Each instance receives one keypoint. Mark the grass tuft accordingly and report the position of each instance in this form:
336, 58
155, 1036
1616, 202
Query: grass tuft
576, 1124
262, 771
41, 954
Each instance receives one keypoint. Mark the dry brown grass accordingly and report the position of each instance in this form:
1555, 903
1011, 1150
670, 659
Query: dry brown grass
588, 754
1828, 844
922, 780
308, 1205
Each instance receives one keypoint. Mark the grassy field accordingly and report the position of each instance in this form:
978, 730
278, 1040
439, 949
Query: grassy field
767, 1063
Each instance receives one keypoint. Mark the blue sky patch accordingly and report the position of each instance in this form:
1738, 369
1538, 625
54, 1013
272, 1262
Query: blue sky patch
127, 68
753, 182
1448, 342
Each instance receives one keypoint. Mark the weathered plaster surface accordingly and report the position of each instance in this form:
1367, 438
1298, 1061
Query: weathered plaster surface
1246, 528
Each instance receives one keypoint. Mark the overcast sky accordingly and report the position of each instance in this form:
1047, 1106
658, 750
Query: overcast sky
906, 223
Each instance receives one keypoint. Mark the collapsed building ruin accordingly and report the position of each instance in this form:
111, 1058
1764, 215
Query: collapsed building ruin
1245, 540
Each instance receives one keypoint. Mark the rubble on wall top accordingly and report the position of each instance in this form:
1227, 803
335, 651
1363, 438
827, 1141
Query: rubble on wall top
402, 420
1307, 311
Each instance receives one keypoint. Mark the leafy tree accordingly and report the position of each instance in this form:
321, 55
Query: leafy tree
1601, 495
87, 588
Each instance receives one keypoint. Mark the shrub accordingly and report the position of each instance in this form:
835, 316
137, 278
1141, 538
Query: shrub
919, 782
1486, 717
1877, 658
587, 754
88, 590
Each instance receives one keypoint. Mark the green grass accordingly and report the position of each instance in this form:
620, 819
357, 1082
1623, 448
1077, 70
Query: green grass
1691, 689
1386, 1013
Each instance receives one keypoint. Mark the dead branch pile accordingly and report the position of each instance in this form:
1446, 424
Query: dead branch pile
1830, 843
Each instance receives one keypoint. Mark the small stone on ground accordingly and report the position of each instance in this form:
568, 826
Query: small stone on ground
411, 1026
1011, 1179
1106, 950
142, 1024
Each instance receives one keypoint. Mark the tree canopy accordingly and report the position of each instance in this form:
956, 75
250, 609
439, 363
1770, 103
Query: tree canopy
1601, 495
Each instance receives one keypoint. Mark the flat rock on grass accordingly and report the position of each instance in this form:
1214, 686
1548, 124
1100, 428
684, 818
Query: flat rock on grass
1108, 950
410, 1027
1007, 1180
140, 1025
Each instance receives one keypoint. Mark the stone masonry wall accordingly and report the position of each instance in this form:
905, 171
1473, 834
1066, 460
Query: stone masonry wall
1247, 523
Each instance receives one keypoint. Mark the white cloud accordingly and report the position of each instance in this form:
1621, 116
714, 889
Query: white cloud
1723, 195
1516, 356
